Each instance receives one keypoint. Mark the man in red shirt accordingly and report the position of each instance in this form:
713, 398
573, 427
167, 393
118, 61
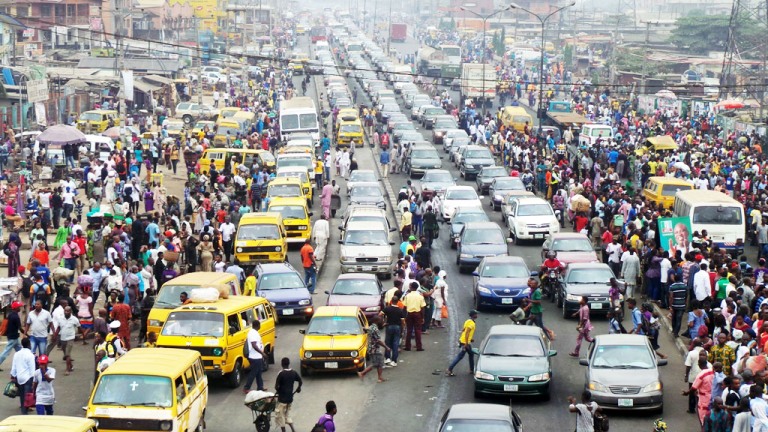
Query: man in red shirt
309, 264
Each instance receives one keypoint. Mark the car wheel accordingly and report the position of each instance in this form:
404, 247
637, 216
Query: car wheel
559, 299
566, 315
235, 377
187, 119
477, 302
515, 240
478, 395
265, 363
362, 366
304, 371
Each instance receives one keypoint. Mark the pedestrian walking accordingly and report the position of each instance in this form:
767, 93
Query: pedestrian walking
536, 310
326, 421
585, 411
310, 266
284, 391
42, 386
39, 324
13, 331
678, 298
414, 305
395, 323
374, 349
66, 330
23, 371
255, 357
321, 232
584, 327
465, 345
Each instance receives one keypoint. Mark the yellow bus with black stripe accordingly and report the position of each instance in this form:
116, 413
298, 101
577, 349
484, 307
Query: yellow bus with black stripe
218, 330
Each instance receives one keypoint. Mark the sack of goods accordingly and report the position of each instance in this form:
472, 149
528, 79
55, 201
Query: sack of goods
206, 295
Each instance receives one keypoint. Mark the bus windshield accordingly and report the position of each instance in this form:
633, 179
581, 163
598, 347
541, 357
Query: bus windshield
718, 215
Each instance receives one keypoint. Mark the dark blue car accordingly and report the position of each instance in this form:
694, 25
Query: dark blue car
284, 288
501, 282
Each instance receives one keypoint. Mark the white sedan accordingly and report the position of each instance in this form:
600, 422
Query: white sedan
459, 196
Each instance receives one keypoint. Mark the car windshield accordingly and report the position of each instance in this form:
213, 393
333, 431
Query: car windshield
482, 236
590, 275
475, 425
514, 346
86, 116
437, 177
365, 191
444, 124
284, 190
434, 111
369, 238
278, 281
463, 218
461, 195
356, 287
290, 212
351, 128
334, 325
623, 357
168, 297
424, 154
134, 390
509, 184
194, 323
494, 172
572, 245
222, 130
405, 126
534, 210
478, 154
362, 176
258, 232
503, 270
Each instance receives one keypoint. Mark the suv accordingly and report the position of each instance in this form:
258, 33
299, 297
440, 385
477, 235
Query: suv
365, 248
473, 159
531, 218
191, 111
420, 159
282, 285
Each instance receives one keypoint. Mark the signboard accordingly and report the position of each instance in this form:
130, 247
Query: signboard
37, 90
675, 234
28, 33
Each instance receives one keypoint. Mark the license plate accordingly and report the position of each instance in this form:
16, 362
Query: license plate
287, 311
538, 236
456, 240
507, 301
367, 268
626, 403
331, 365
510, 387
596, 305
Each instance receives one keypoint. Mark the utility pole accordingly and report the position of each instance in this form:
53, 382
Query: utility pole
199, 62
389, 27
643, 82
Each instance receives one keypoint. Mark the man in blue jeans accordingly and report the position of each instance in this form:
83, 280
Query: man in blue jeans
395, 320
310, 266
12, 331
39, 323
465, 344
255, 357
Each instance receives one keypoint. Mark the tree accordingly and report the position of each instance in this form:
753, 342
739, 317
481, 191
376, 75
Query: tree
699, 34
568, 56
501, 48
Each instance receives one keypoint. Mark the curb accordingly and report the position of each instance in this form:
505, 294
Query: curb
321, 264
387, 184
667, 324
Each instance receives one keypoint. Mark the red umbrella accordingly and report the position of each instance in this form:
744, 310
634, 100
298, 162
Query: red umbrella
729, 104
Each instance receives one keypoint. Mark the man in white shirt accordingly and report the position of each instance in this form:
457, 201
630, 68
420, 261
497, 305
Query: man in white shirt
321, 232
614, 252
68, 199
66, 330
44, 198
702, 286
23, 370
666, 266
255, 357
227, 230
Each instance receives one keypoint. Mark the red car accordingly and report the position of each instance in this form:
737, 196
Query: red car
570, 248
357, 289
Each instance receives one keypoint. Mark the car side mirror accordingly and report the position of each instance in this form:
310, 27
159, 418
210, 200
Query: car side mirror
341, 241
302, 331
326, 291
392, 229
310, 215
391, 243
476, 351
475, 273
583, 362
341, 228
552, 353
509, 240
534, 273
661, 362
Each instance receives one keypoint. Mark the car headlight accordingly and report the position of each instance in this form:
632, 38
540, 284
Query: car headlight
483, 376
654, 386
304, 302
539, 377
155, 323
166, 425
526, 292
302, 227
278, 249
572, 297
385, 258
218, 351
346, 258
354, 354
272, 303
372, 309
596, 386
308, 354
465, 256
483, 290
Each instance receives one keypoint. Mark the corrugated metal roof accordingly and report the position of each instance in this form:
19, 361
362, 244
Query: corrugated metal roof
136, 64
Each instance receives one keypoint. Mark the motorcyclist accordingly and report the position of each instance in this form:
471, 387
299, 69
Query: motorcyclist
515, 172
551, 263
528, 179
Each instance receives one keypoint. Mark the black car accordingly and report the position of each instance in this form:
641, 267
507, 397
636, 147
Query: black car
586, 279
462, 216
480, 417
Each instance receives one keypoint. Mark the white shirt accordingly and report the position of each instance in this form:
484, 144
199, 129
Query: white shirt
702, 287
68, 198
23, 365
44, 394
68, 328
38, 323
666, 265
614, 252
321, 230
45, 200
254, 336
227, 229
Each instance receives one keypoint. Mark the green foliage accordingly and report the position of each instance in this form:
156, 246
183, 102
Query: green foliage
699, 34
499, 48
568, 56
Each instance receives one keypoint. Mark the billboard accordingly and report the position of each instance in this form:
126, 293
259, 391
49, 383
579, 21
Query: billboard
675, 234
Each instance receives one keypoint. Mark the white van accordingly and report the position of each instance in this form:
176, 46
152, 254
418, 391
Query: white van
590, 133
720, 215
98, 145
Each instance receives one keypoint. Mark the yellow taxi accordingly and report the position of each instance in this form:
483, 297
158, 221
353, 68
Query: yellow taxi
336, 339
174, 127
226, 129
226, 113
218, 329
301, 174
261, 237
285, 187
169, 296
662, 190
200, 126
97, 121
222, 156
298, 62
161, 389
295, 217
33, 423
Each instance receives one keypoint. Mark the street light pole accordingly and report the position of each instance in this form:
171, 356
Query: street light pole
543, 21
485, 43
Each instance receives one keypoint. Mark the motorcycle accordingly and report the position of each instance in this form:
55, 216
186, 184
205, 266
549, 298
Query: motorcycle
551, 284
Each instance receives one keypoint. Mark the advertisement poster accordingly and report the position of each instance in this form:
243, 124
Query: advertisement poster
675, 234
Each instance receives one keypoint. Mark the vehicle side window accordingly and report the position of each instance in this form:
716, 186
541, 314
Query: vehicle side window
233, 288
181, 390
189, 377
261, 312
199, 373
247, 316
233, 323
363, 321
513, 208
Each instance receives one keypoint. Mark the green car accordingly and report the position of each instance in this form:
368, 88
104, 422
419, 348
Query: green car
514, 360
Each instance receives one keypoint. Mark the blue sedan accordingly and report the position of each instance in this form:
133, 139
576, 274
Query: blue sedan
501, 282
